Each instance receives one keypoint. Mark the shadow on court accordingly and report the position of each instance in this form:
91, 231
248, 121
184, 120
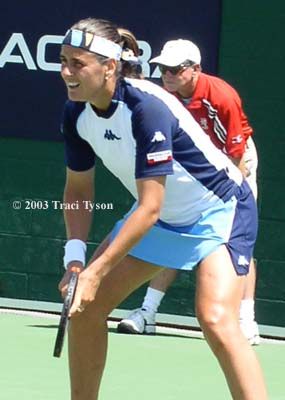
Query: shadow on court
114, 330
43, 326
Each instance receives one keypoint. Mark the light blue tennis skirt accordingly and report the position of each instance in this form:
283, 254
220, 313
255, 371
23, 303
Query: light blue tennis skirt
233, 223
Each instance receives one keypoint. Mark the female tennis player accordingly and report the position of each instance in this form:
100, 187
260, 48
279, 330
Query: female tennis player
192, 208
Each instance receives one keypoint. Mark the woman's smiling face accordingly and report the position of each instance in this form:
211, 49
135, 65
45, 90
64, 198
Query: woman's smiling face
83, 74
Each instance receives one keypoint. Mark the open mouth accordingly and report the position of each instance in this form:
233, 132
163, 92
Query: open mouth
71, 85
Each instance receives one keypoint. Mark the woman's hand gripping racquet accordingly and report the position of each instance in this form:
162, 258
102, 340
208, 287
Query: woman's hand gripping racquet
63, 323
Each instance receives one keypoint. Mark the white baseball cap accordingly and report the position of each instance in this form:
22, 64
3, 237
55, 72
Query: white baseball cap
175, 52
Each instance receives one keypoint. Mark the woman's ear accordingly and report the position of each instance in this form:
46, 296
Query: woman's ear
110, 68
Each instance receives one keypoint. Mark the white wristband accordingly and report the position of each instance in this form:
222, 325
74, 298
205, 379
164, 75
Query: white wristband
75, 250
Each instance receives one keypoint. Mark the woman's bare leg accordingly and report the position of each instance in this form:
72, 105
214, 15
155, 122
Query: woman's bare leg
218, 296
88, 332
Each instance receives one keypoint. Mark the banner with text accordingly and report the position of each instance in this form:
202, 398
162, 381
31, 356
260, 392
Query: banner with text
31, 34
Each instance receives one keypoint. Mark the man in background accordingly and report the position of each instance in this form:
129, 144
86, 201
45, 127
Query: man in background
217, 107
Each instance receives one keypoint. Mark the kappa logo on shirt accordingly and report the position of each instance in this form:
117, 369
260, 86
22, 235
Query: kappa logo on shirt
109, 135
237, 139
242, 260
159, 156
158, 137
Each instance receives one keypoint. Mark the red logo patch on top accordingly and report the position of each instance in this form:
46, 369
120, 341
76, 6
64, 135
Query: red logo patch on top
159, 156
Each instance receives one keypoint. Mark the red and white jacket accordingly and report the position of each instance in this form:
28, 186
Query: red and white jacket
217, 107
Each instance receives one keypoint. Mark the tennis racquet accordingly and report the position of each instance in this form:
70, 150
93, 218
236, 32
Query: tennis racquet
63, 323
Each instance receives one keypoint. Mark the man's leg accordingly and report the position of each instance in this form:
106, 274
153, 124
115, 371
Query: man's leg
160, 283
88, 332
248, 324
247, 315
218, 295
142, 320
